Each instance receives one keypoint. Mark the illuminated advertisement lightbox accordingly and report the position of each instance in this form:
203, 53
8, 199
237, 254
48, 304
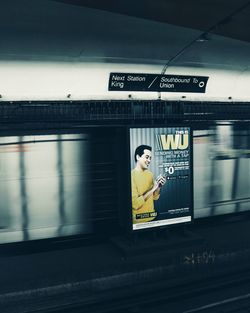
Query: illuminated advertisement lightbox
161, 176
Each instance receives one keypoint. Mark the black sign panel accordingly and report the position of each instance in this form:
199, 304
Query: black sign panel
157, 82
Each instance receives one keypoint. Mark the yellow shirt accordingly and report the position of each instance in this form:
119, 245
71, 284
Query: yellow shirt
141, 182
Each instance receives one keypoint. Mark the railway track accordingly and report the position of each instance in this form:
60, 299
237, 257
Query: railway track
228, 294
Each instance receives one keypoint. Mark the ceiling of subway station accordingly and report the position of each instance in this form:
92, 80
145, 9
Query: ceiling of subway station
228, 18
207, 37
208, 31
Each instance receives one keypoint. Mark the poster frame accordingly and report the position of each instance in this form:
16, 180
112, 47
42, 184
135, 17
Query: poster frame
129, 202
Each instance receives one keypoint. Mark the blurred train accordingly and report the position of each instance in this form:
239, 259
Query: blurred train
68, 180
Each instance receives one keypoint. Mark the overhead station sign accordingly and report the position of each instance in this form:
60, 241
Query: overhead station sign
157, 82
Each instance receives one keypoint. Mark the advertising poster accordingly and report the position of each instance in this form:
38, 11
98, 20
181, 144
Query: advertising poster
161, 179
